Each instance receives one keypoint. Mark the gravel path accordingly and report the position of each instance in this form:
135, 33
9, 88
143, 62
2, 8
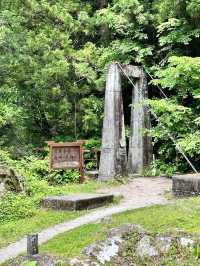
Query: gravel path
140, 192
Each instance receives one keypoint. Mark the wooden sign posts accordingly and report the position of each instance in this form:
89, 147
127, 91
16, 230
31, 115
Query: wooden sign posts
67, 155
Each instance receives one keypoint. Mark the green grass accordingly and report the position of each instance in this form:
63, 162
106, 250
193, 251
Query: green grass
14, 230
183, 215
86, 187
70, 244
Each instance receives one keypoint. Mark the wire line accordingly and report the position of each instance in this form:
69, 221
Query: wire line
161, 124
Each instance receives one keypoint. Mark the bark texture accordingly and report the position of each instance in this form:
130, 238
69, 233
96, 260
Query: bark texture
113, 161
140, 145
113, 154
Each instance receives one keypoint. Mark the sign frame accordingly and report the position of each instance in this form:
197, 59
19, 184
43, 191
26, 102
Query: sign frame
78, 145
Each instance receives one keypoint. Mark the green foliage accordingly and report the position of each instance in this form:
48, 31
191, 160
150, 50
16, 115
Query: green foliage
38, 180
183, 215
63, 177
92, 144
30, 263
91, 165
158, 168
180, 113
92, 115
54, 57
14, 207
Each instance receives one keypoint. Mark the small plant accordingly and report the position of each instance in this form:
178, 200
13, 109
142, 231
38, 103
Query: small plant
29, 263
158, 168
196, 250
15, 206
62, 177
91, 165
60, 263
92, 144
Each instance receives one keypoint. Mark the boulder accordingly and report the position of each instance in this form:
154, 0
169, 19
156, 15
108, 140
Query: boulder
10, 180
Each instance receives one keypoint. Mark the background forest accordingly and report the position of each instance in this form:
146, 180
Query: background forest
53, 61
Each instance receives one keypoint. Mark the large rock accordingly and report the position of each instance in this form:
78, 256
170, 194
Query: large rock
104, 251
186, 185
145, 248
10, 180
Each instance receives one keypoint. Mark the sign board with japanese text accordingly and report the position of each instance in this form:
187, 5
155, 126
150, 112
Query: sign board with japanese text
67, 155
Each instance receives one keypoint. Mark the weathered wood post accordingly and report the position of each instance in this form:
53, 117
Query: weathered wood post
113, 152
140, 144
113, 161
32, 245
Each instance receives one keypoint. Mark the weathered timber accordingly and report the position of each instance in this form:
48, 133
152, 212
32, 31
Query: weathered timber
32, 245
186, 185
140, 144
113, 152
77, 202
113, 161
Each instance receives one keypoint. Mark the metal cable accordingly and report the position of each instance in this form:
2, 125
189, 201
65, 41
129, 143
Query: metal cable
161, 124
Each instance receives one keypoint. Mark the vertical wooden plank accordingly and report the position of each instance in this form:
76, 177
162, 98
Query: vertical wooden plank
50, 157
32, 245
81, 165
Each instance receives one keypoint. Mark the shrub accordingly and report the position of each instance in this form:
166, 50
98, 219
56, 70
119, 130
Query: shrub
62, 177
92, 144
15, 206
158, 168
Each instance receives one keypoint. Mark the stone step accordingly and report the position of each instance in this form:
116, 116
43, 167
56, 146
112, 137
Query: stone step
77, 202
92, 174
186, 185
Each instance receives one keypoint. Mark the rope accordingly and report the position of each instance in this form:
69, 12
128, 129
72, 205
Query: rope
161, 124
157, 85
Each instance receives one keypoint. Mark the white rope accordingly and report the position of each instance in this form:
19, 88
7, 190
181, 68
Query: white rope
161, 124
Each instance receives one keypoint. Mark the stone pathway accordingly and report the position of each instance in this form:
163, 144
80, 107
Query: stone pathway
140, 192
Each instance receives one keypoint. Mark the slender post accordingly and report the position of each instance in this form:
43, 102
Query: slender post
82, 178
32, 245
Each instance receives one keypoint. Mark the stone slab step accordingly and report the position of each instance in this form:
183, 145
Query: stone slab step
77, 202
92, 174
186, 185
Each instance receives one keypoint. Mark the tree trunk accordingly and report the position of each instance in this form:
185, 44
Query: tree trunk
104, 30
102, 3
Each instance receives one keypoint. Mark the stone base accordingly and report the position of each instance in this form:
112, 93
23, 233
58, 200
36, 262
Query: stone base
186, 185
77, 202
92, 174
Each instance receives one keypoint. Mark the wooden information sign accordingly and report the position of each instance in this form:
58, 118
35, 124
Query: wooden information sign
67, 155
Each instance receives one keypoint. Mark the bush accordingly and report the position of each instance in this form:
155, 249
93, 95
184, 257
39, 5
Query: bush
15, 206
158, 168
39, 182
92, 144
63, 177
39, 169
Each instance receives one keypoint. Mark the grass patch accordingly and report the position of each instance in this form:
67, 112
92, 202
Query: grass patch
88, 186
42, 219
14, 230
182, 215
74, 241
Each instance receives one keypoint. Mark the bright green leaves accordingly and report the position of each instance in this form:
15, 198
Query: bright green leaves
193, 9
180, 114
178, 22
182, 75
92, 109
172, 116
